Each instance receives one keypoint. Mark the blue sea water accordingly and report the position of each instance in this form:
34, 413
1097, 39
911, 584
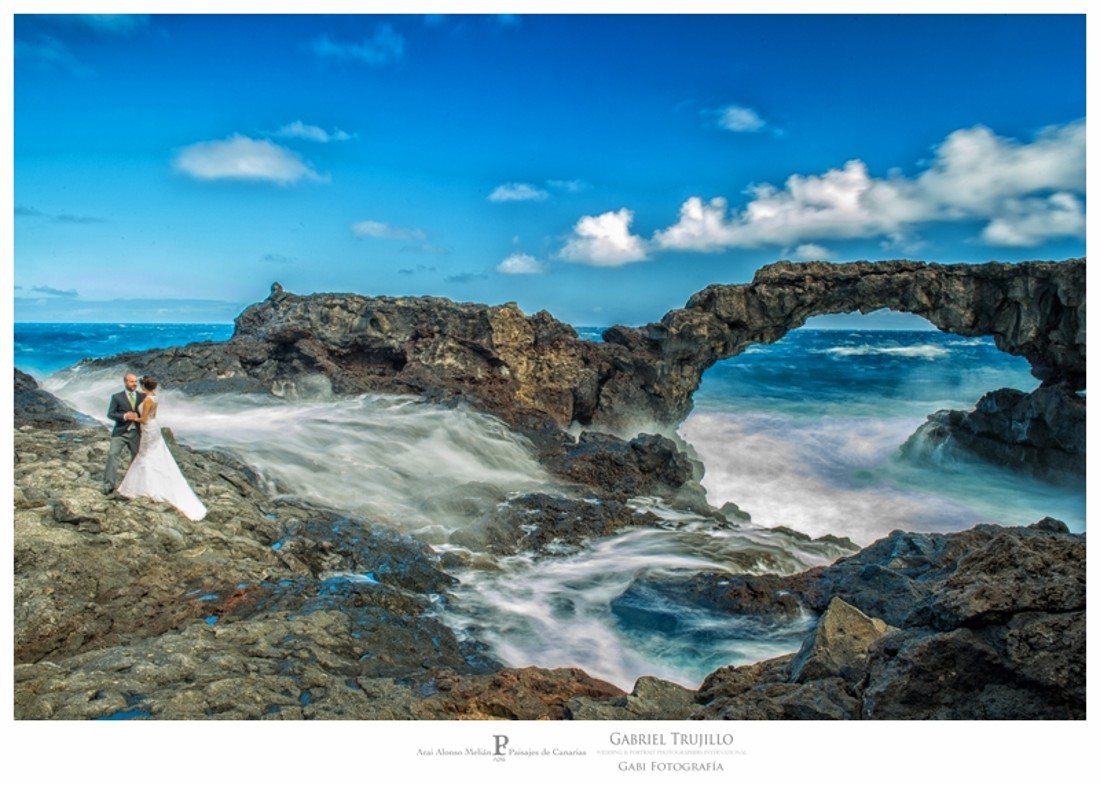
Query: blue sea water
42, 348
806, 433
803, 433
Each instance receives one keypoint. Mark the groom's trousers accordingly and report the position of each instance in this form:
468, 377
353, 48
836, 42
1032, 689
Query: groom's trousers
127, 440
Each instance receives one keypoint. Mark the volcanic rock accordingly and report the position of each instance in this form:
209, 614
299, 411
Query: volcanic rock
536, 374
992, 627
1040, 433
839, 645
651, 699
41, 409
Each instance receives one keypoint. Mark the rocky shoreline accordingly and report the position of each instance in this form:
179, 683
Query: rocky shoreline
539, 377
274, 609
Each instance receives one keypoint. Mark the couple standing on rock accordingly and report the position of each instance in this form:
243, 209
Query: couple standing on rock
153, 472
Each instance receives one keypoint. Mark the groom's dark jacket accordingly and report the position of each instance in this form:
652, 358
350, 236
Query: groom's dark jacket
120, 404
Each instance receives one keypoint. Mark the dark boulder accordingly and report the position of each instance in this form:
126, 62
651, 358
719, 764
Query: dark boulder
37, 408
1040, 433
992, 627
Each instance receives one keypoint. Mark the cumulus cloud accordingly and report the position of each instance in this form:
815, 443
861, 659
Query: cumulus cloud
521, 264
242, 158
837, 204
1023, 193
604, 241
811, 252
1029, 222
312, 133
740, 119
517, 192
383, 231
386, 45
975, 170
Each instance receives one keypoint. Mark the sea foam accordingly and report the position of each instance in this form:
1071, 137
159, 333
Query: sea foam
420, 467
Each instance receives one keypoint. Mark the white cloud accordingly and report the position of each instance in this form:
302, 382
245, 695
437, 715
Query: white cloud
521, 264
604, 241
837, 204
517, 192
312, 133
975, 170
384, 46
974, 176
383, 231
702, 227
740, 119
811, 252
242, 158
1033, 221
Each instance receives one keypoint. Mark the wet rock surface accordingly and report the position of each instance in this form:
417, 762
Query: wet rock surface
544, 524
264, 610
1041, 433
272, 608
992, 626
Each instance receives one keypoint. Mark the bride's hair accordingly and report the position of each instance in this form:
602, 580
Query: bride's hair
149, 382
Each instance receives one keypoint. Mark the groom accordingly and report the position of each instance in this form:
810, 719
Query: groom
126, 434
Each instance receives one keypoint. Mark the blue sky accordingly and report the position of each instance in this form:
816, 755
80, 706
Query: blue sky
169, 168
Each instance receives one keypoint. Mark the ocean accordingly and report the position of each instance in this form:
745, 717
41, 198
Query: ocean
803, 433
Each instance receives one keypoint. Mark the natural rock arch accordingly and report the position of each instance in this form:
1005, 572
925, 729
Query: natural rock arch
535, 373
1032, 309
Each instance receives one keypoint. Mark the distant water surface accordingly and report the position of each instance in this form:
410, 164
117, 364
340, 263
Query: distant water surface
42, 348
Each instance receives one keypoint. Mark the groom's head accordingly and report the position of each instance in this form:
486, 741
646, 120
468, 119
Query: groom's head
130, 381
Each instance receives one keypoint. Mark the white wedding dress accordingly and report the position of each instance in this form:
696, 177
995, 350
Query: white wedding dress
155, 475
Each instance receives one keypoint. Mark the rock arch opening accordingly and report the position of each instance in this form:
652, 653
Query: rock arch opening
1035, 310
806, 432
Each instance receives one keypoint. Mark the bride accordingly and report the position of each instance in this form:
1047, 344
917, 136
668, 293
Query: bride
154, 473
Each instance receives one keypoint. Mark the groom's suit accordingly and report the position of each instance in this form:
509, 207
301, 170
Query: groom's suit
126, 434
